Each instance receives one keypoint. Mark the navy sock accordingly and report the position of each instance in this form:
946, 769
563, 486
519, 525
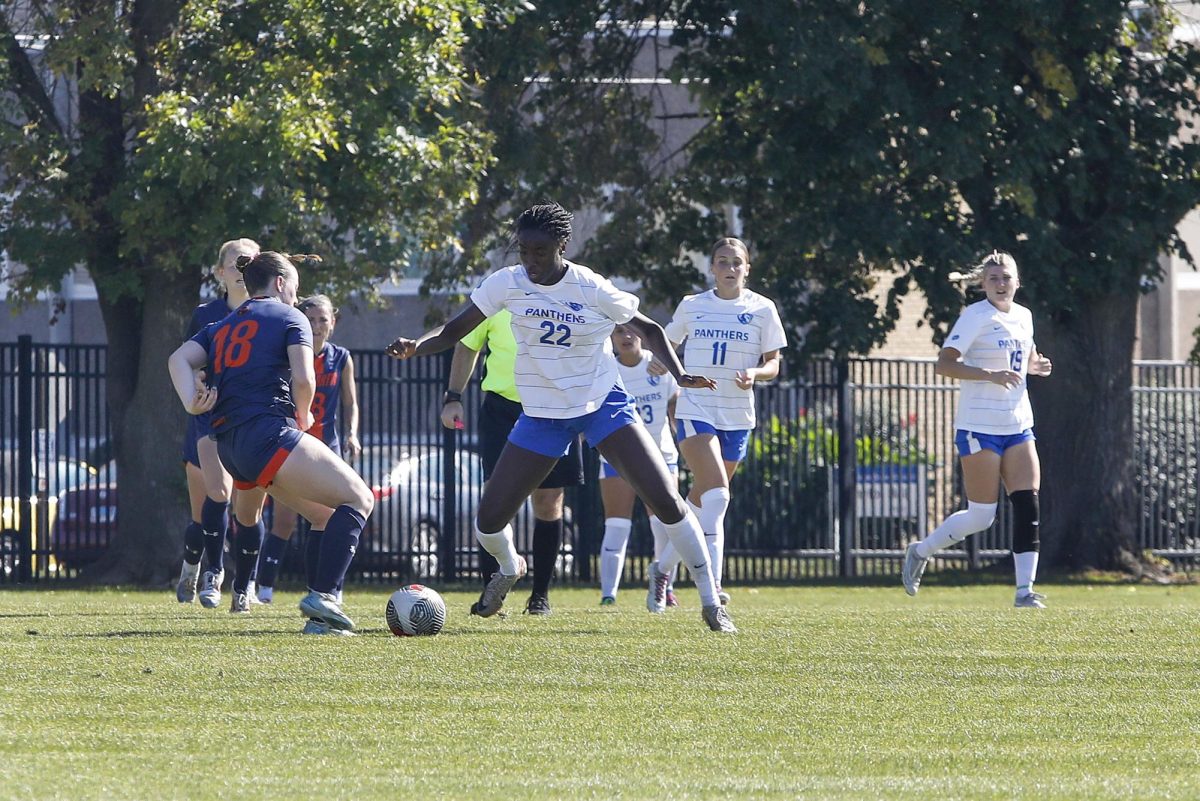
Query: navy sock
249, 541
312, 555
193, 543
212, 520
273, 549
547, 539
338, 544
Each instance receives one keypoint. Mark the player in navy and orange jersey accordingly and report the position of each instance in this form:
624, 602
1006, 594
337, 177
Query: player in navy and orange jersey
260, 393
209, 485
334, 369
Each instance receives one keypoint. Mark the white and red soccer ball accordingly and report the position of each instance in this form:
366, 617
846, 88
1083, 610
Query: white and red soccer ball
415, 611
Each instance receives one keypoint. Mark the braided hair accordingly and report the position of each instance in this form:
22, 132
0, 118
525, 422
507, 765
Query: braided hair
258, 271
549, 218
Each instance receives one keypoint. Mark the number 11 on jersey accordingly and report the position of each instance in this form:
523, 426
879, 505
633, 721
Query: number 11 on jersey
719, 349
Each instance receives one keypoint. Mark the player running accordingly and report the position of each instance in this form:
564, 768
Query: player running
654, 397
209, 485
733, 334
563, 314
336, 390
261, 392
991, 352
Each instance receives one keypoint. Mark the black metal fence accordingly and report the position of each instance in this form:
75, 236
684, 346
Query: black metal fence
850, 462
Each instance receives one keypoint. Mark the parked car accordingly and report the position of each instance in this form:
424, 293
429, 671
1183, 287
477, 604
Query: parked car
50, 483
87, 519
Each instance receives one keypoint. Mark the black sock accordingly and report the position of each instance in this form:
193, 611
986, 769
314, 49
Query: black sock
249, 541
193, 543
212, 518
547, 539
312, 555
487, 563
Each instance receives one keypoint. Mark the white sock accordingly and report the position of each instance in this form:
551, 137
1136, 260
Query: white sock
612, 554
500, 545
688, 540
957, 527
670, 557
1026, 564
713, 505
661, 542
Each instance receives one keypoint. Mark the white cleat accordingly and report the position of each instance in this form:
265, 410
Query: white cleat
210, 588
266, 595
717, 618
656, 596
491, 600
314, 626
185, 590
1030, 600
322, 606
252, 592
240, 603
914, 568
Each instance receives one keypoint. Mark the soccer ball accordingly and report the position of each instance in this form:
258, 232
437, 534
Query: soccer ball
415, 610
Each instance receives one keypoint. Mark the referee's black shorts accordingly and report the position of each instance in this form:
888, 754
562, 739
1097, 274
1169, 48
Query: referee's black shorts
497, 416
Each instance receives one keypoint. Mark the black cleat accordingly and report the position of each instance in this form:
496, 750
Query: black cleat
538, 604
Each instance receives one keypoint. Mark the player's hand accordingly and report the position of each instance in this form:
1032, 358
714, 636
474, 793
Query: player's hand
696, 382
204, 397
401, 348
744, 379
452, 415
352, 448
304, 419
656, 367
1040, 365
1005, 378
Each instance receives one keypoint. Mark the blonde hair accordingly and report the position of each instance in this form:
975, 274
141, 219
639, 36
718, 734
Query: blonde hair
974, 277
318, 301
730, 242
242, 244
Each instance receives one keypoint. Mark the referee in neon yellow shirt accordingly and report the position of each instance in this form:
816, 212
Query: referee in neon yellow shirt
498, 414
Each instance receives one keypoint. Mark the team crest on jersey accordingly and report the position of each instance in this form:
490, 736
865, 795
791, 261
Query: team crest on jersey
745, 317
575, 306
653, 380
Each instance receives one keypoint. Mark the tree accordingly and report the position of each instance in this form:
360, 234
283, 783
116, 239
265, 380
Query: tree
311, 125
888, 137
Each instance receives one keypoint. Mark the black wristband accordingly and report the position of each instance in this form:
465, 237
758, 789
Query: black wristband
451, 397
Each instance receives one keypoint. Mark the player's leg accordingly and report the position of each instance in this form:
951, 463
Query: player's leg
618, 498
215, 519
275, 543
547, 542
193, 536
638, 460
1021, 471
981, 482
248, 524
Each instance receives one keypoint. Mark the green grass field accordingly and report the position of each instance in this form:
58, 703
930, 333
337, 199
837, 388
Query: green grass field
851, 693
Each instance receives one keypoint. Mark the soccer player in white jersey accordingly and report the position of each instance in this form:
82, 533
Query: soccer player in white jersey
734, 335
991, 352
562, 316
654, 396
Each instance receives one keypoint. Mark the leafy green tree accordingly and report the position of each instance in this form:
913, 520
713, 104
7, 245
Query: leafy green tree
909, 139
139, 136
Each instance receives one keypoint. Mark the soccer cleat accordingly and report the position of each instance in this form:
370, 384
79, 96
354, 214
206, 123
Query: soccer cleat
210, 588
324, 607
1030, 600
538, 604
656, 597
240, 605
671, 600
608, 600
314, 626
491, 600
914, 568
185, 590
265, 595
722, 596
717, 618
252, 592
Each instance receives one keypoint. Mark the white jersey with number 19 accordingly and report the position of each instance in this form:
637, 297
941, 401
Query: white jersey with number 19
993, 340
565, 366
723, 337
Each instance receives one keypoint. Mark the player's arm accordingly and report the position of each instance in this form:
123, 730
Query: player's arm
462, 365
671, 411
767, 369
950, 364
304, 382
188, 378
655, 338
349, 393
439, 339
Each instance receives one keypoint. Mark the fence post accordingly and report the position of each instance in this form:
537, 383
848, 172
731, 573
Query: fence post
448, 541
847, 470
25, 457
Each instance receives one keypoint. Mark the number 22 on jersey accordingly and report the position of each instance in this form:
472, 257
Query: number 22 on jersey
232, 345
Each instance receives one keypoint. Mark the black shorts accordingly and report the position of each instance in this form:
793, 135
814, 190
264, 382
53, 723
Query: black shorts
497, 416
